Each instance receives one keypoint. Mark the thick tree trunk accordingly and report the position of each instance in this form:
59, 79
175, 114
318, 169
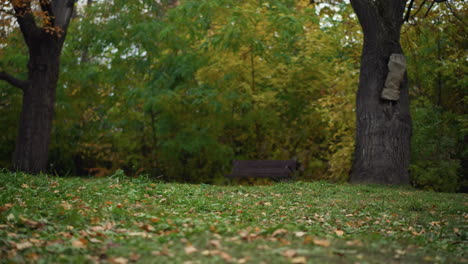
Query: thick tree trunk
45, 45
383, 129
32, 144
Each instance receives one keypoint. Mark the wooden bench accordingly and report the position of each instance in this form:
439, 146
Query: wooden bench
277, 170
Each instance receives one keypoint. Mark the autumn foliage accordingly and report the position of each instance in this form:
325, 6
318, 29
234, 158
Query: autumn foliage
177, 90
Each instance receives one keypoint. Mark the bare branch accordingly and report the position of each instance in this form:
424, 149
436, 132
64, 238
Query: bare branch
408, 12
419, 9
12, 80
429, 9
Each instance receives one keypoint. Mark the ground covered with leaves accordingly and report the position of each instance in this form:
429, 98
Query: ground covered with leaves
124, 220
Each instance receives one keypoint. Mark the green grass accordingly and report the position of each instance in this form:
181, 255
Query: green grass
48, 219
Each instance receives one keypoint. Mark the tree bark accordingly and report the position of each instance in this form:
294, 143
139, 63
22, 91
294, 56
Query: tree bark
383, 128
32, 144
44, 45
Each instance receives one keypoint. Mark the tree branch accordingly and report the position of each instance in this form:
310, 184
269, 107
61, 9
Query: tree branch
12, 80
419, 8
430, 7
455, 14
63, 11
408, 12
26, 21
46, 6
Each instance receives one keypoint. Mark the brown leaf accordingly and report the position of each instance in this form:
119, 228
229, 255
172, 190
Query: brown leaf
65, 205
95, 240
190, 249
354, 243
134, 257
163, 252
23, 245
243, 260
279, 232
299, 260
225, 256
321, 242
147, 228
339, 232
5, 207
36, 242
141, 234
289, 253
31, 223
215, 243
80, 243
32, 257
118, 260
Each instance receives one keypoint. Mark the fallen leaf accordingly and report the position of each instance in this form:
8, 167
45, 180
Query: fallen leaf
118, 260
35, 241
79, 243
243, 233
95, 240
300, 234
65, 205
24, 185
142, 234
206, 252
321, 242
339, 232
279, 232
225, 256
5, 207
289, 253
190, 249
10, 217
243, 260
23, 245
33, 256
400, 252
147, 228
97, 228
215, 243
299, 260
134, 257
354, 243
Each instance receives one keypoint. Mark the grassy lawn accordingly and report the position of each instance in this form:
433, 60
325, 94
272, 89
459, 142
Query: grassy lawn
48, 219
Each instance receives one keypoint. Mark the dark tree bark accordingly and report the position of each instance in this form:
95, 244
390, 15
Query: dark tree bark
45, 46
383, 128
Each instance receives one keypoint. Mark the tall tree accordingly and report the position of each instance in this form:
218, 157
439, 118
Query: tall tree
43, 24
383, 127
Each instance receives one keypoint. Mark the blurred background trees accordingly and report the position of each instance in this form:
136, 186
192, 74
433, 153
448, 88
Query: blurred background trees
178, 89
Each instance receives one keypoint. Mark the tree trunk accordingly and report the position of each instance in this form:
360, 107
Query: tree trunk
383, 128
32, 143
44, 45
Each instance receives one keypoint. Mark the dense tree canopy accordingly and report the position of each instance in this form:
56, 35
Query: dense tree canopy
178, 89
